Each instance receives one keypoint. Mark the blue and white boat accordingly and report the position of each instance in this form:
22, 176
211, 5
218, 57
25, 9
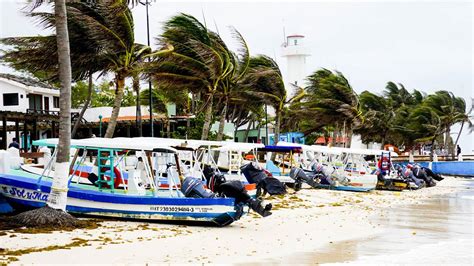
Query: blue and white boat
118, 189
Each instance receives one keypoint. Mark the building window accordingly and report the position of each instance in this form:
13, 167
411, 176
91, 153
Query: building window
296, 42
35, 101
56, 102
10, 99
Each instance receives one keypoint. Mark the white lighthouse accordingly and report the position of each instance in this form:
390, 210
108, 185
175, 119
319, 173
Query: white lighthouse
295, 52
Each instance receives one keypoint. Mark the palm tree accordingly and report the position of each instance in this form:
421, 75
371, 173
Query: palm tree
378, 117
451, 110
399, 95
101, 42
230, 88
199, 62
55, 214
331, 98
425, 125
264, 80
33, 55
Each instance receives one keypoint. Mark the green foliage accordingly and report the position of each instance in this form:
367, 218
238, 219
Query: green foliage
158, 100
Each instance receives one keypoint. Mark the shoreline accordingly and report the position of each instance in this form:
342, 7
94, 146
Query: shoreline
310, 221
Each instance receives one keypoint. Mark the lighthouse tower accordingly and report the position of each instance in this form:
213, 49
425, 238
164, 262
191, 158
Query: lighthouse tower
295, 52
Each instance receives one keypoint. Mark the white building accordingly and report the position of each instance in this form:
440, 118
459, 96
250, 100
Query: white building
18, 94
295, 52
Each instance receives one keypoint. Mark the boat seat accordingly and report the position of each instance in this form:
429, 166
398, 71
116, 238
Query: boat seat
272, 168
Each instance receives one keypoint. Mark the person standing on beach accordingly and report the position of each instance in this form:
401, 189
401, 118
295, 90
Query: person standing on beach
15, 144
458, 151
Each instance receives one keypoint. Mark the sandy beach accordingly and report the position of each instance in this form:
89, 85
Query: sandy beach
311, 221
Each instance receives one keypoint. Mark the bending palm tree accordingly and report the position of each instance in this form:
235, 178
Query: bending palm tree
264, 80
451, 110
58, 195
331, 98
199, 63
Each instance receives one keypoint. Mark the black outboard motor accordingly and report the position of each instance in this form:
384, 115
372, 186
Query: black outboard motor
300, 176
429, 172
420, 173
194, 188
234, 189
257, 175
253, 173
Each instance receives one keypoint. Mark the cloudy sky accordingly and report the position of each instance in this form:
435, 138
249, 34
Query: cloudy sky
425, 45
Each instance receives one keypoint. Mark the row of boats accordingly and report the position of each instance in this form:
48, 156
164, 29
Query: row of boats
192, 180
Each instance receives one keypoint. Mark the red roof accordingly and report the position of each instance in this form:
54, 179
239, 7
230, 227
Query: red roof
321, 140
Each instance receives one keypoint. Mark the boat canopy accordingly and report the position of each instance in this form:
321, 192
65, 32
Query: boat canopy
282, 149
239, 147
186, 144
336, 150
111, 143
366, 151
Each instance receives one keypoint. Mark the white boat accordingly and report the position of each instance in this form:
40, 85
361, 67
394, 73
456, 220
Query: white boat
138, 197
346, 167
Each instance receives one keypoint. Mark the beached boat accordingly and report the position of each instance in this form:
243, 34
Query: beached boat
388, 177
284, 161
197, 154
114, 194
345, 169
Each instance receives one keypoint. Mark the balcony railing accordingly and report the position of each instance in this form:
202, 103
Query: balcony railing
41, 112
74, 115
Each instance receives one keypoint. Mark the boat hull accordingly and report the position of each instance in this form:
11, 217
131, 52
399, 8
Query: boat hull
392, 185
26, 193
358, 183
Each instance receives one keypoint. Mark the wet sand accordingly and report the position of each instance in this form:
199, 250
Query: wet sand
439, 231
312, 226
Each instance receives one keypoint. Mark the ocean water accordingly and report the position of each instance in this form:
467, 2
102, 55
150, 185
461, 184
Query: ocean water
437, 232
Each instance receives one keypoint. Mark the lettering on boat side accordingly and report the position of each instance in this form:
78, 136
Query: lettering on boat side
171, 209
22, 193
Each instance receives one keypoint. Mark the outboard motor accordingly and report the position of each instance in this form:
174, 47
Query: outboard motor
300, 176
414, 182
194, 188
420, 173
257, 175
435, 176
253, 173
324, 174
234, 189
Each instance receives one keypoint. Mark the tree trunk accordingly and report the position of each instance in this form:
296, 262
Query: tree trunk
220, 132
277, 127
58, 196
349, 137
207, 118
168, 128
84, 107
432, 148
120, 84
447, 145
258, 132
383, 142
334, 136
457, 139
246, 135
136, 88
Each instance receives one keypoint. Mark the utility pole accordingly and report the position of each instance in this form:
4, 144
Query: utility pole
266, 126
150, 99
